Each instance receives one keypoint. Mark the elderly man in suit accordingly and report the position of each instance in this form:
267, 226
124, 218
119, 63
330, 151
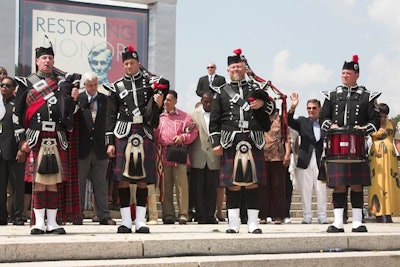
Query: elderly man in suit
93, 159
310, 151
205, 164
211, 79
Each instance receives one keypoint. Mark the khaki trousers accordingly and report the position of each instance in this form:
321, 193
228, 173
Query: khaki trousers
175, 175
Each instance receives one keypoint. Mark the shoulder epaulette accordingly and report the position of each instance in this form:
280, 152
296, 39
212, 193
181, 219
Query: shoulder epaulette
109, 87
217, 89
373, 95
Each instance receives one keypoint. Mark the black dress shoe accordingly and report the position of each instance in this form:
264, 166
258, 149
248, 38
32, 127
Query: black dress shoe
78, 222
122, 229
360, 229
143, 230
169, 221
37, 231
107, 221
18, 221
333, 229
221, 219
57, 231
231, 231
257, 231
212, 221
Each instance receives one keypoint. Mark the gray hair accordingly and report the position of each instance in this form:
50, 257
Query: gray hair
89, 76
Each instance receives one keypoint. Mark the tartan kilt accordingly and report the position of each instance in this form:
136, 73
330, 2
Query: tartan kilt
347, 174
227, 161
149, 158
31, 165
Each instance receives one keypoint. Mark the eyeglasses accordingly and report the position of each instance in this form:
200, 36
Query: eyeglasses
311, 108
3, 73
8, 85
210, 67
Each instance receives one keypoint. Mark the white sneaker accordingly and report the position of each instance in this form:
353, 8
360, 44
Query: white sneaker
287, 220
269, 220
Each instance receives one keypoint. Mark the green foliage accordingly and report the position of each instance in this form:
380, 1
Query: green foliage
396, 119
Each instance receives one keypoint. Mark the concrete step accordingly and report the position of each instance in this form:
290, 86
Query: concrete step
365, 259
292, 244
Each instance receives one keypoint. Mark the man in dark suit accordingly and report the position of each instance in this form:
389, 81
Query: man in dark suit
12, 160
210, 79
93, 159
310, 152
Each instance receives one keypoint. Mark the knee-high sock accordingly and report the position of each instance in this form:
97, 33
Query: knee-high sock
141, 196
39, 209
252, 198
124, 198
233, 199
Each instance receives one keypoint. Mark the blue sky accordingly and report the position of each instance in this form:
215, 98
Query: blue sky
300, 45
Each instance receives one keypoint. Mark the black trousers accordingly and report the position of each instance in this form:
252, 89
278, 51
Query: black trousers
205, 191
13, 172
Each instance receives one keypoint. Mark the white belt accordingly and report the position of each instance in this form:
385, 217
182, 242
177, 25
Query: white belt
48, 126
137, 119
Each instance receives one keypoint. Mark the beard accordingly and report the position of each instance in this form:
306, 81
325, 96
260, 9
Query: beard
237, 77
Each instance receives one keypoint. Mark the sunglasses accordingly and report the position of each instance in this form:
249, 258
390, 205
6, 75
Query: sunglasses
311, 108
8, 85
210, 67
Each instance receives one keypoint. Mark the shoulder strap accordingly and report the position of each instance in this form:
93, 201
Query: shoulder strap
236, 97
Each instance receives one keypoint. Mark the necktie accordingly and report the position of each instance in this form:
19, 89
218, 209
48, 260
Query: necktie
93, 108
211, 80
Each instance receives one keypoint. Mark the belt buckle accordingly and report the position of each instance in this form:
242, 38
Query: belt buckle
48, 126
137, 119
244, 124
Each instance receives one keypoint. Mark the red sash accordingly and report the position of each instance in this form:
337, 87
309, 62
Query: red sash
35, 99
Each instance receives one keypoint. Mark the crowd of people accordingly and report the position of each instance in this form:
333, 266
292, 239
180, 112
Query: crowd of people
58, 131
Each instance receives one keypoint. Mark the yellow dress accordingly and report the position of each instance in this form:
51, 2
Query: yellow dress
383, 194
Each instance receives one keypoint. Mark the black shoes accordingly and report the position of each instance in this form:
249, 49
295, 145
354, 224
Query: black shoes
169, 221
143, 230
333, 229
360, 229
57, 231
231, 231
208, 221
122, 229
19, 221
78, 222
256, 231
107, 221
37, 231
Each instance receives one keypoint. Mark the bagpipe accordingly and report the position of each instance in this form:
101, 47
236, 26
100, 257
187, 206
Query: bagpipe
267, 85
66, 82
159, 86
158, 83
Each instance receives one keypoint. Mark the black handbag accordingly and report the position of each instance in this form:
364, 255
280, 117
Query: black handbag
177, 154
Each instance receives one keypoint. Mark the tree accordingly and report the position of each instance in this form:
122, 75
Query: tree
396, 119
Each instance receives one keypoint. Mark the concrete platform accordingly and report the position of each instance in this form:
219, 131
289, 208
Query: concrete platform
202, 245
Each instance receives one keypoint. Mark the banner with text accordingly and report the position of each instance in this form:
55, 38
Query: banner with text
85, 37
